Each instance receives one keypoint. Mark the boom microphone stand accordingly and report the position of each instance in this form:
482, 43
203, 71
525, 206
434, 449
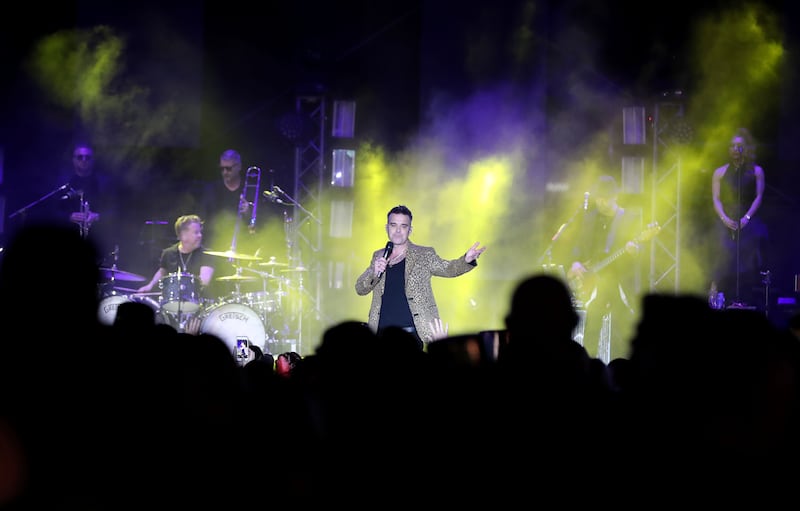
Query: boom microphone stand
61, 189
279, 196
549, 267
548, 252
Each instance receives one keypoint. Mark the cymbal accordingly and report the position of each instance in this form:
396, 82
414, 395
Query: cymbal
113, 273
272, 262
297, 269
230, 254
235, 277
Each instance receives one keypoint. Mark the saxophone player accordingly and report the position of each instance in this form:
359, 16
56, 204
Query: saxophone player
88, 200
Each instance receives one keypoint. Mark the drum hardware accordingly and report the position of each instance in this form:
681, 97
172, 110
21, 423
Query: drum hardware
265, 302
295, 270
259, 301
232, 254
263, 274
272, 262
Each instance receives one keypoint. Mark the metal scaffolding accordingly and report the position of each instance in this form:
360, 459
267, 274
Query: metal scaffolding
303, 223
666, 207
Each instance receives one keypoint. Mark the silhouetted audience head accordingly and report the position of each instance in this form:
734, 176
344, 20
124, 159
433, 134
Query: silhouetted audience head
542, 304
43, 258
286, 363
346, 340
135, 316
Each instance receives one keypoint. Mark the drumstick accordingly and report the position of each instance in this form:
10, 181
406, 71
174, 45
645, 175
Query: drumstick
125, 289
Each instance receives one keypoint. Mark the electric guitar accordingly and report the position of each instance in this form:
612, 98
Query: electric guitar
580, 285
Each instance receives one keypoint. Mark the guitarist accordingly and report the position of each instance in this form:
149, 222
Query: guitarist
605, 229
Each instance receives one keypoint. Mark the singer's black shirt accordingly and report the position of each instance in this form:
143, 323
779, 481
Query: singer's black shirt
394, 306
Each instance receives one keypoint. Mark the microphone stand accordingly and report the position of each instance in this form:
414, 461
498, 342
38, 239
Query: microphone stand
24, 209
298, 312
293, 202
548, 252
738, 227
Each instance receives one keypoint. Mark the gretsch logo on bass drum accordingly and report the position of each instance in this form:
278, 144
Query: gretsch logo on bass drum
234, 315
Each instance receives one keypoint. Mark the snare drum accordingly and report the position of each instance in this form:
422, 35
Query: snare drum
230, 321
107, 311
178, 293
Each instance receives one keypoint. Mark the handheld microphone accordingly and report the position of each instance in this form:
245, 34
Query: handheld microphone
586, 201
387, 252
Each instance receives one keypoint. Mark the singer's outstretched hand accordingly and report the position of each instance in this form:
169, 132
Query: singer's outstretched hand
474, 252
439, 329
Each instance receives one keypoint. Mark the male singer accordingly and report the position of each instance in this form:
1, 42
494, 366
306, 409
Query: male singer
399, 277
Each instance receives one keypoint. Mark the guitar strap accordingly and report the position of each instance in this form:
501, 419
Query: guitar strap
612, 230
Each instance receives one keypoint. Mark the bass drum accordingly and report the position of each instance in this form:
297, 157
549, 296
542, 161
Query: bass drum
107, 311
232, 321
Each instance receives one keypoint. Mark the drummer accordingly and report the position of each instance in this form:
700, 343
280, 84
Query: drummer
187, 256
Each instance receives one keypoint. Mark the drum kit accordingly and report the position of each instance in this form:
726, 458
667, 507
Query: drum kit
250, 317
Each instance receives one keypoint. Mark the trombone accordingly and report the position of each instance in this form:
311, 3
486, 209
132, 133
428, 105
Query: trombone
252, 183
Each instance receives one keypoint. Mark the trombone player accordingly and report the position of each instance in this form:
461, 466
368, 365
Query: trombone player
229, 206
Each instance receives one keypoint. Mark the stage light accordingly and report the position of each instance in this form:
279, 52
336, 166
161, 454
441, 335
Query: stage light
344, 119
344, 168
633, 126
